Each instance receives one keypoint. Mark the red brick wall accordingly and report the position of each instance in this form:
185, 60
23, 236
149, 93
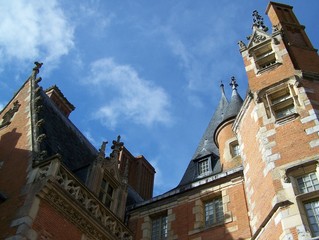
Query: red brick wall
182, 226
260, 187
15, 158
49, 222
226, 133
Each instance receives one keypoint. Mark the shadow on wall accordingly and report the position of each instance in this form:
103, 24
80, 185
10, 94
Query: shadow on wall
14, 163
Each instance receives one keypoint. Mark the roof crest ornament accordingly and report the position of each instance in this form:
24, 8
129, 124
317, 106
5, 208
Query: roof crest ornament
35, 105
259, 21
222, 87
117, 147
233, 83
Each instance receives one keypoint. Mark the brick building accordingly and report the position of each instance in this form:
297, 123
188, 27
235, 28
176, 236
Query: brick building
53, 183
252, 176
254, 173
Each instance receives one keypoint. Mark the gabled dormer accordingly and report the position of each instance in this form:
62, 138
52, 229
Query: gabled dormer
261, 48
284, 53
106, 181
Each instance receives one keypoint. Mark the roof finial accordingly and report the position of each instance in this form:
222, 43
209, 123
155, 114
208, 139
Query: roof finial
222, 87
233, 83
37, 67
259, 21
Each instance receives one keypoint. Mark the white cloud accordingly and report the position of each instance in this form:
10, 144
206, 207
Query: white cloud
34, 30
134, 98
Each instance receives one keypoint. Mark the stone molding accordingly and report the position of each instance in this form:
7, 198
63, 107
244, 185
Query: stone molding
68, 195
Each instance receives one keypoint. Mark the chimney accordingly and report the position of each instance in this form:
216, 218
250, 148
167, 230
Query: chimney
57, 97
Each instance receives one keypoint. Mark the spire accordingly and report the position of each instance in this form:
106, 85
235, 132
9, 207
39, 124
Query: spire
235, 102
206, 145
222, 88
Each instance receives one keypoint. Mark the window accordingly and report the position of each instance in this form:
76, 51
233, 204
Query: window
282, 102
312, 210
214, 212
106, 193
203, 166
159, 228
308, 183
234, 149
264, 56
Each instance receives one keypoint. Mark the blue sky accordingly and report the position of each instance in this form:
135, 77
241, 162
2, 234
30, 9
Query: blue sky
147, 70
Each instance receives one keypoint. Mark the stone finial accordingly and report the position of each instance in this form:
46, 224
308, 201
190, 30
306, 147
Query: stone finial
37, 67
242, 45
233, 83
117, 147
258, 21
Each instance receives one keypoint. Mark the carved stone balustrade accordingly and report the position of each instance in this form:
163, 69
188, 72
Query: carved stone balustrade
71, 197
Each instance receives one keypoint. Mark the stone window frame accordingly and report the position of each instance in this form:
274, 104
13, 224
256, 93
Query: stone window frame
199, 211
264, 56
147, 225
292, 175
234, 149
106, 192
279, 98
217, 203
162, 232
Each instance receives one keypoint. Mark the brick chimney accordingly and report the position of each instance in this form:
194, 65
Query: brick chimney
57, 97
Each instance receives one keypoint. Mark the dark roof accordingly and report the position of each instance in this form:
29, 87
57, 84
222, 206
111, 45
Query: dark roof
234, 106
206, 146
133, 197
63, 138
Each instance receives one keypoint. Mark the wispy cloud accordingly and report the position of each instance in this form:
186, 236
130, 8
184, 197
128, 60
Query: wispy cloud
34, 30
133, 98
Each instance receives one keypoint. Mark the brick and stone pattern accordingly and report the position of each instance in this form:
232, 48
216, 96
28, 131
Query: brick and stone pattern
186, 214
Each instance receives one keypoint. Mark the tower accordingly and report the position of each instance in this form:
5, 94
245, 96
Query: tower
277, 127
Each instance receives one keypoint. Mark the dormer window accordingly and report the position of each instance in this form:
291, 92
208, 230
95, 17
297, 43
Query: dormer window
282, 103
264, 56
234, 149
204, 166
106, 193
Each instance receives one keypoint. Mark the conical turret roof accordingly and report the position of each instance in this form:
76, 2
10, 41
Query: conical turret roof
207, 145
235, 102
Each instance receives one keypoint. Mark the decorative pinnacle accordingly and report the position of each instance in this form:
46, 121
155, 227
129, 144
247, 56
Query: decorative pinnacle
117, 147
37, 67
221, 84
259, 21
233, 83
222, 87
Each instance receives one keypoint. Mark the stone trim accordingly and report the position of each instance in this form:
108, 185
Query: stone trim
65, 193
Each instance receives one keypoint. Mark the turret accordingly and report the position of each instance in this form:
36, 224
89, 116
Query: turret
224, 136
277, 127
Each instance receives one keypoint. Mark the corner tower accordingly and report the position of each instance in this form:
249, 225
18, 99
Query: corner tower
277, 127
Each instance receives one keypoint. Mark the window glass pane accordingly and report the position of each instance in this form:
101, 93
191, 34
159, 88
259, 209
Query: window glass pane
312, 209
159, 228
308, 183
203, 167
214, 212
106, 193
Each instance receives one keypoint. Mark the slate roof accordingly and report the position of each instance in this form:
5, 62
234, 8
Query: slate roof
63, 138
207, 145
234, 106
